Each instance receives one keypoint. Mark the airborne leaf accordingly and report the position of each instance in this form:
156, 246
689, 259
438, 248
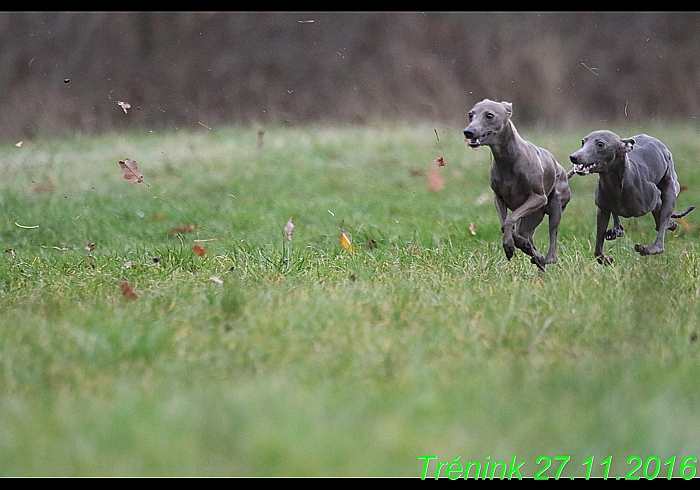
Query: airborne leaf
124, 105
440, 162
198, 249
131, 171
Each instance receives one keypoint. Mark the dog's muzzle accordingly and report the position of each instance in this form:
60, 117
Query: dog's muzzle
473, 140
583, 168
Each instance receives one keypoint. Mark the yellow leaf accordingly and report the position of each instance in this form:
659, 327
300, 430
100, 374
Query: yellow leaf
345, 242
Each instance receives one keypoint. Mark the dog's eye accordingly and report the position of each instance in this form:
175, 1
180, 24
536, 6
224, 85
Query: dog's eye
583, 142
600, 144
489, 115
471, 116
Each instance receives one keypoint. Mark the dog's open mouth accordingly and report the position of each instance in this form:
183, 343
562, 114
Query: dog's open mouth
475, 143
585, 168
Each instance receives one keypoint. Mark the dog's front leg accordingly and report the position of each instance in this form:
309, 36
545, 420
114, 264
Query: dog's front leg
533, 202
502, 211
602, 220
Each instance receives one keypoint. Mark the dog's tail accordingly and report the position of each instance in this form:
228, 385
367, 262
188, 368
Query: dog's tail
683, 213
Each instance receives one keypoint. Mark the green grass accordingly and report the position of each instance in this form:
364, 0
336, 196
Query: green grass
312, 360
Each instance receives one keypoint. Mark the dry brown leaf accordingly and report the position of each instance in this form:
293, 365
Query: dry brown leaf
289, 229
11, 252
128, 291
90, 246
181, 229
198, 249
435, 180
131, 171
124, 105
440, 162
472, 228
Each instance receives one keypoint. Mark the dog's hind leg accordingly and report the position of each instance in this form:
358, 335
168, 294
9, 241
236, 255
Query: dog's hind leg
554, 209
662, 217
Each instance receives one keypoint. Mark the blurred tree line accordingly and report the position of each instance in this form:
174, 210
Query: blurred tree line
67, 71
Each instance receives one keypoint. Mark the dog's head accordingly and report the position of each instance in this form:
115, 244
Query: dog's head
486, 120
599, 150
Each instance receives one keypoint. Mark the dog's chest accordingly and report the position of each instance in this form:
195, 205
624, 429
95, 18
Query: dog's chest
511, 187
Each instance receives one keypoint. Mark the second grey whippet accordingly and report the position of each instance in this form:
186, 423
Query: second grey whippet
524, 178
635, 177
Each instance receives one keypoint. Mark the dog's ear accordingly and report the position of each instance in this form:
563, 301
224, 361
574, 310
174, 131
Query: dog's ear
627, 144
509, 108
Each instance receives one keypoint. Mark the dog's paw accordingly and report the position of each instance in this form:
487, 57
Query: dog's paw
653, 250
539, 262
509, 249
614, 233
672, 225
604, 260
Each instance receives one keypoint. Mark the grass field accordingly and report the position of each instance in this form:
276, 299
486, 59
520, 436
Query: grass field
266, 356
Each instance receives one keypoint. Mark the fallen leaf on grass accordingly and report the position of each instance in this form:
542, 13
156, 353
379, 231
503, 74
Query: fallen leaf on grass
11, 252
216, 279
128, 291
440, 162
199, 250
131, 171
124, 105
90, 246
435, 180
472, 228
289, 229
345, 241
175, 230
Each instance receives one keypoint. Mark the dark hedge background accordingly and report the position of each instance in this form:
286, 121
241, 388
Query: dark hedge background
66, 71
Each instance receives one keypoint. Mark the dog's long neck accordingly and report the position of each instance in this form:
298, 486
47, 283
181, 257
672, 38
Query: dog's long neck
614, 175
508, 145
